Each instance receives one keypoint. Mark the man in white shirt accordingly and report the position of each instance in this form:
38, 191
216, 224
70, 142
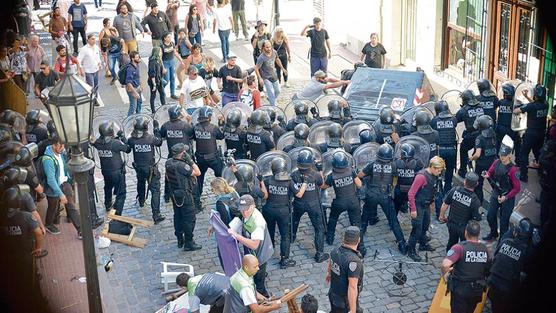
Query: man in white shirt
318, 85
194, 91
89, 57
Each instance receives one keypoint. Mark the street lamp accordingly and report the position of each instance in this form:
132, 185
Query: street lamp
70, 105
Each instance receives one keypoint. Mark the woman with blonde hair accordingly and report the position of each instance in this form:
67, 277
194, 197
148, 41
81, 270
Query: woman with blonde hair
281, 44
209, 73
227, 200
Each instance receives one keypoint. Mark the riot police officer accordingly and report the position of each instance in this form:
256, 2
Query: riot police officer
345, 274
422, 121
259, 140
272, 126
35, 130
181, 170
335, 139
485, 150
464, 206
381, 173
235, 135
537, 110
470, 110
487, 98
507, 267
502, 176
504, 120
7, 120
111, 164
247, 182
345, 182
445, 123
306, 182
176, 130
300, 134
337, 112
384, 127
406, 169
206, 154
301, 115
466, 264
278, 193
143, 145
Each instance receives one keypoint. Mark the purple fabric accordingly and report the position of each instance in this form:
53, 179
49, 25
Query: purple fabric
228, 248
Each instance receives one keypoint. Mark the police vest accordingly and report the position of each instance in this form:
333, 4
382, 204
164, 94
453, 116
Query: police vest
489, 104
383, 134
344, 186
110, 158
257, 143
501, 176
177, 132
143, 149
311, 197
341, 259
179, 179
488, 153
36, 134
239, 281
472, 265
471, 113
236, 140
17, 234
299, 119
460, 206
508, 263
446, 127
406, 171
383, 175
432, 139
505, 111
427, 192
278, 193
205, 138
536, 118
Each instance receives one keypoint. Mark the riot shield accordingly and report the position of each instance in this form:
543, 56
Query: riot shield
44, 117
229, 176
105, 118
129, 123
161, 114
285, 140
453, 97
365, 154
352, 130
295, 151
322, 103
290, 112
422, 148
264, 161
280, 114
245, 110
19, 123
318, 133
407, 116
216, 114
519, 121
473, 87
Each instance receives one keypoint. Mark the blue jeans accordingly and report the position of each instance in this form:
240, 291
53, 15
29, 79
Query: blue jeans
228, 97
92, 79
318, 64
134, 104
170, 76
272, 90
196, 39
112, 60
98, 3
224, 42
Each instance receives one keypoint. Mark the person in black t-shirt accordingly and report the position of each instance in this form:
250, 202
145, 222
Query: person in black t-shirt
169, 53
320, 46
46, 78
373, 53
230, 77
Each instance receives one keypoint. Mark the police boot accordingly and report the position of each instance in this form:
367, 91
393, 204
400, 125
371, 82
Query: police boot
426, 247
490, 237
157, 218
362, 249
321, 257
330, 240
109, 206
96, 222
412, 254
402, 247
286, 262
181, 242
191, 246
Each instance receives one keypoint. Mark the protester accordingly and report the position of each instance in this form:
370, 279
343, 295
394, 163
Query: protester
266, 71
320, 46
209, 73
281, 45
127, 23
89, 57
158, 24
57, 27
156, 80
318, 85
238, 13
60, 64
184, 50
251, 95
223, 18
172, 14
133, 84
229, 78
258, 38
169, 53
77, 21
373, 53
194, 93
194, 25
114, 52
196, 58
106, 32
46, 78
35, 55
18, 64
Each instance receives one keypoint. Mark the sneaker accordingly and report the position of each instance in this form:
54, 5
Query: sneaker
52, 229
79, 235
286, 262
321, 257
141, 204
412, 254
490, 237
286, 85
426, 247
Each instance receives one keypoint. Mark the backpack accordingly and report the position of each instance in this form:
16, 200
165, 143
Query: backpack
122, 73
39, 168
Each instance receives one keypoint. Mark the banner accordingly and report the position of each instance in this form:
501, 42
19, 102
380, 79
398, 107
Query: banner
228, 248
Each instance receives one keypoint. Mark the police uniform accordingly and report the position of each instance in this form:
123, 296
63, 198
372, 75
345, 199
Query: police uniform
534, 135
432, 138
547, 161
487, 144
467, 114
464, 206
505, 179
113, 170
384, 132
504, 125
296, 144
276, 131
405, 171
236, 139
174, 132
205, 135
468, 278
299, 119
345, 263
489, 103
259, 143
342, 180
445, 125
147, 171
36, 133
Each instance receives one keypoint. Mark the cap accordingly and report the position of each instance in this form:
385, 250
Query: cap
259, 23
245, 202
320, 74
178, 148
316, 20
231, 56
351, 235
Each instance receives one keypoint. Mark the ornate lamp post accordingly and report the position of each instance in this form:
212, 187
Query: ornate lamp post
70, 105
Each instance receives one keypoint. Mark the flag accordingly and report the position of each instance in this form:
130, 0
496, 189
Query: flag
228, 248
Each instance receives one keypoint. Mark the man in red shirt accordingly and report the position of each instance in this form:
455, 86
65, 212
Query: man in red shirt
60, 64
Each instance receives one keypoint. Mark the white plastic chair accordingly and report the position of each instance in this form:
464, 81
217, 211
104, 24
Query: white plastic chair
168, 277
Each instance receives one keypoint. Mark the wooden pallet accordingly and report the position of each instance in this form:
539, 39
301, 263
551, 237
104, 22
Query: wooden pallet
130, 239
289, 298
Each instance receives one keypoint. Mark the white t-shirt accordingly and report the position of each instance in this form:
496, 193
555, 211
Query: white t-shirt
63, 178
89, 57
223, 16
312, 90
194, 91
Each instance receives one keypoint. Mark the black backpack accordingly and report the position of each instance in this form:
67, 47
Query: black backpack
122, 73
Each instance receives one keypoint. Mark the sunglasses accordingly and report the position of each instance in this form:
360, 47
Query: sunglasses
43, 68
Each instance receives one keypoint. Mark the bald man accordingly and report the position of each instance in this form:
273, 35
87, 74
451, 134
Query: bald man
242, 296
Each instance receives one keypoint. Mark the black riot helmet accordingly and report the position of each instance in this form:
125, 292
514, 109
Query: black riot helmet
301, 131
51, 127
335, 131
5, 136
305, 159
483, 122
483, 85
175, 112
233, 120
421, 118
279, 169
258, 119
141, 124
407, 151
271, 114
8, 117
524, 229
509, 91
385, 153
106, 129
539, 93
340, 160
334, 109
205, 114
246, 173
366, 135
33, 117
468, 98
300, 108
441, 107
386, 116
12, 198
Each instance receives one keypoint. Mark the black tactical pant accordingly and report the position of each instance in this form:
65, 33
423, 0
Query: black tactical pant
462, 300
500, 301
502, 131
282, 217
259, 280
114, 183
53, 212
455, 233
340, 304
448, 154
532, 140
215, 163
353, 208
506, 208
400, 200
420, 225
184, 219
375, 198
479, 168
143, 173
467, 144
317, 219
